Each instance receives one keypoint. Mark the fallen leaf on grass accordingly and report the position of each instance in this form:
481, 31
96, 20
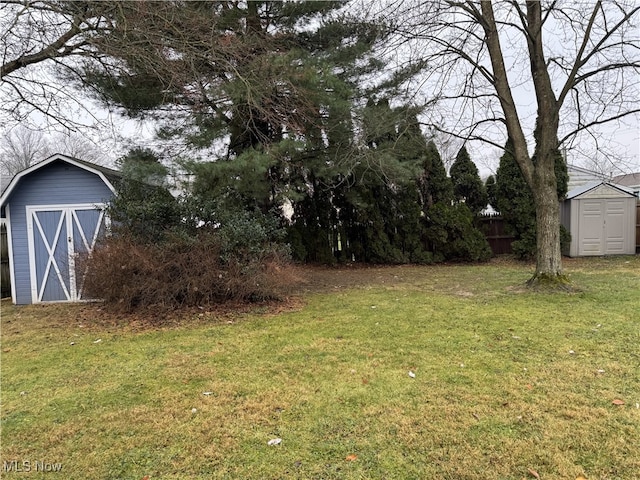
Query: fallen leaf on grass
617, 401
534, 473
351, 458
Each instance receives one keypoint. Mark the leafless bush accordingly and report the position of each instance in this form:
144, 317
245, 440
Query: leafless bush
182, 272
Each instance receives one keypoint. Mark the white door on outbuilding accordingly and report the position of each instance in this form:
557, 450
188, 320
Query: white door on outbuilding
603, 227
57, 237
591, 241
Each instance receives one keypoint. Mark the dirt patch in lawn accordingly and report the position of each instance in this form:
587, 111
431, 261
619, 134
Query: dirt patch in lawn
311, 279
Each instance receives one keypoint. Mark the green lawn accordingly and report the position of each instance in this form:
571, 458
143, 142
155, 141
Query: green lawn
509, 384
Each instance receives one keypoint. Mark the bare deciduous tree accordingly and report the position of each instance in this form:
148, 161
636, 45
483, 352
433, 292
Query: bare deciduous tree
39, 39
20, 149
549, 72
77, 146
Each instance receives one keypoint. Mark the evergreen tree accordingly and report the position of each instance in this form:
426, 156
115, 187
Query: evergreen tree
515, 203
370, 195
435, 185
382, 214
467, 186
449, 227
143, 208
258, 75
412, 151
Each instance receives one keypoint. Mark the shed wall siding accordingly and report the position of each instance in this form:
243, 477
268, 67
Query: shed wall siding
55, 184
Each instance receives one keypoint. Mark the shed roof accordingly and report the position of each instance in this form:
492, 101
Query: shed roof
108, 176
576, 192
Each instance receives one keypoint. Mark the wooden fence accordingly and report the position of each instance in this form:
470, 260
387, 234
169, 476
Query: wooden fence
493, 228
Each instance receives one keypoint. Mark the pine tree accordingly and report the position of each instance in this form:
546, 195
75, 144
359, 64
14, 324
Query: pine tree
449, 226
258, 75
435, 185
467, 186
515, 203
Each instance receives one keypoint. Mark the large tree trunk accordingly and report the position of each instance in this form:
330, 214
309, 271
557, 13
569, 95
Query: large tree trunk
544, 185
548, 254
539, 174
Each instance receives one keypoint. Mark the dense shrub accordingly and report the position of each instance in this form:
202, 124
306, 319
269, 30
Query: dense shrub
183, 271
188, 251
453, 236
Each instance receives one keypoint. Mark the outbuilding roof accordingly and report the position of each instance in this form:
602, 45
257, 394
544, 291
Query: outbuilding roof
108, 176
587, 187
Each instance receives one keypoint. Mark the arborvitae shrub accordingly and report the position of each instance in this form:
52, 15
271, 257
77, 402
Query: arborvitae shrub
453, 236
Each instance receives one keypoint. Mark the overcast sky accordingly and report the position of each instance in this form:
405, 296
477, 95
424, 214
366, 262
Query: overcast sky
114, 134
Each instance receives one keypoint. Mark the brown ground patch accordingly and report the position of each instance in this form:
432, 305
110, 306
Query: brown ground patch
310, 279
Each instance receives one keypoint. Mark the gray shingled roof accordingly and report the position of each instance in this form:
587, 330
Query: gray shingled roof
628, 180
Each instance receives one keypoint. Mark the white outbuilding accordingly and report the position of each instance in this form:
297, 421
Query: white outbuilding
601, 218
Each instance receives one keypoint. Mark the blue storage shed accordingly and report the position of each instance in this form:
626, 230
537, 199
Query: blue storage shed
54, 212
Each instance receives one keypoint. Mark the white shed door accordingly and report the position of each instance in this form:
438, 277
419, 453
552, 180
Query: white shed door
614, 226
603, 226
592, 214
57, 236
